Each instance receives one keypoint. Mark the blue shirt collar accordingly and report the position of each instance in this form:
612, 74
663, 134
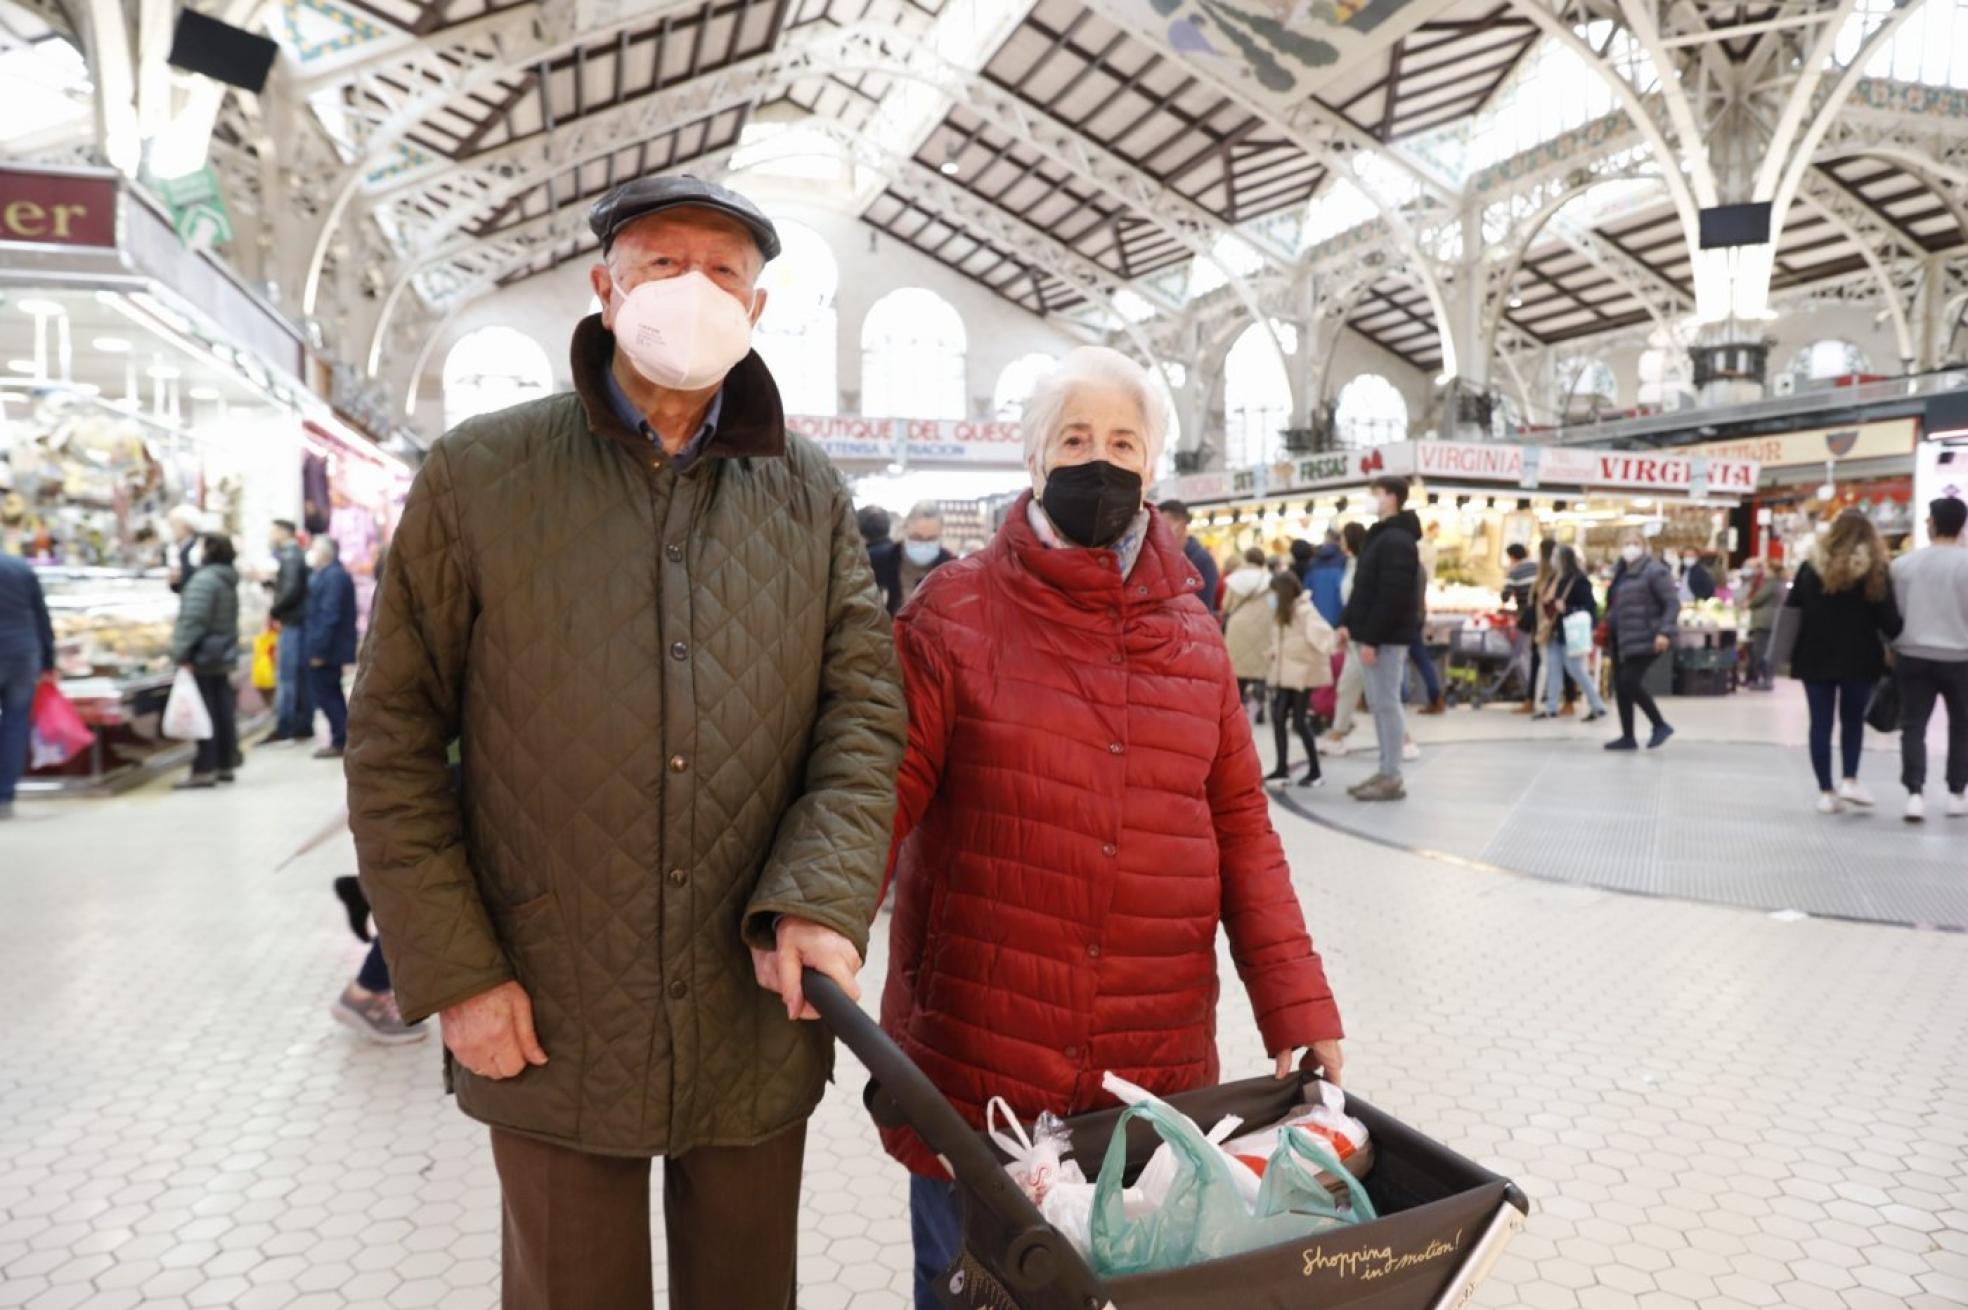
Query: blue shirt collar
633, 420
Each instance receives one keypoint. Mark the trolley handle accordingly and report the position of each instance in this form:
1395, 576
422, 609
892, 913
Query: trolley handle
1036, 1254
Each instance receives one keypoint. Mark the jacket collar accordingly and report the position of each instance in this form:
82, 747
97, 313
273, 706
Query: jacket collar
1091, 579
752, 424
1406, 521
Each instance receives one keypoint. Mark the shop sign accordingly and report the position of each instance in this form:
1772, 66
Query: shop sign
1473, 461
1814, 446
929, 441
57, 209
198, 211
1644, 471
847, 438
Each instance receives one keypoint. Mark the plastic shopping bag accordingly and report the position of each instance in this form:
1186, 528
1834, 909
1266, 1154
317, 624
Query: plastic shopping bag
1202, 1214
56, 732
1038, 1162
1294, 1183
185, 715
1325, 1119
1578, 633
266, 647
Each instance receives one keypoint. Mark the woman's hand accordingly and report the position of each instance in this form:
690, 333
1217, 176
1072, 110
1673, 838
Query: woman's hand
1325, 1056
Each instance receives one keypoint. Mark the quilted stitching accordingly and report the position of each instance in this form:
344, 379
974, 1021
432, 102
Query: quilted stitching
531, 611
1081, 804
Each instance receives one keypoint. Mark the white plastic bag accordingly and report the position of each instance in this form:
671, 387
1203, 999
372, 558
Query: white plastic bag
1325, 1120
185, 715
1038, 1162
1152, 1185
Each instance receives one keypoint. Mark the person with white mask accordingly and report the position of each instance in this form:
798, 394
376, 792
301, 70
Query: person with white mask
901, 566
643, 613
1643, 610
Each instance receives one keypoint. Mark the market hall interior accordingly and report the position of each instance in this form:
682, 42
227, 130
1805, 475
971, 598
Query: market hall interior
1631, 833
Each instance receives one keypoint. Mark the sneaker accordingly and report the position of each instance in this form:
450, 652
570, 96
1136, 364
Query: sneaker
1278, 775
329, 753
1916, 808
376, 1018
1659, 739
275, 738
1365, 783
1542, 714
1382, 789
227, 775
1410, 752
1595, 716
1331, 745
1957, 806
1828, 803
196, 783
1622, 744
1309, 781
1854, 791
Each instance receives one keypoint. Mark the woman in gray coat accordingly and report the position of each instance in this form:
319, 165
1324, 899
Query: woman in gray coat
206, 641
1643, 608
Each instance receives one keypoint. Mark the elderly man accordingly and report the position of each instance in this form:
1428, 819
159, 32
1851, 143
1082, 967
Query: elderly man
644, 613
901, 566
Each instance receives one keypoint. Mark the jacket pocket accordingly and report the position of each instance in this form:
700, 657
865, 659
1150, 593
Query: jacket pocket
540, 1098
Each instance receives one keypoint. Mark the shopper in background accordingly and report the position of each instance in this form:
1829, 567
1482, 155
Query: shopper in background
1424, 660
1137, 790
187, 529
1520, 596
1764, 595
1531, 622
1642, 612
900, 566
293, 703
367, 1005
1247, 625
1846, 615
1324, 571
1570, 593
1176, 514
206, 641
1350, 692
873, 523
644, 611
1697, 583
27, 658
1381, 621
1300, 661
1931, 658
330, 640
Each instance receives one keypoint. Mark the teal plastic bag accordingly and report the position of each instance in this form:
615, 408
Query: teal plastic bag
1202, 1216
1292, 1184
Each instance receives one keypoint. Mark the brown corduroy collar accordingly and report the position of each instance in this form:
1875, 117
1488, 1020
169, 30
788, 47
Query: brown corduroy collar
752, 423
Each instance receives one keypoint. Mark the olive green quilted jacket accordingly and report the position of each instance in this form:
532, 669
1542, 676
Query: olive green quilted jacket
680, 716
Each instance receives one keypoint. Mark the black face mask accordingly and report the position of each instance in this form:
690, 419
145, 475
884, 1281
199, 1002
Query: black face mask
1094, 503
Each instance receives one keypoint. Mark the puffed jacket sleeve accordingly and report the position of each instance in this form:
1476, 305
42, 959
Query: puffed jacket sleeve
926, 681
1273, 953
827, 862
403, 806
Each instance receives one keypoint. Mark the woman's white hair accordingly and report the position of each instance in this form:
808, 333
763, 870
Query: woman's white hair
1091, 366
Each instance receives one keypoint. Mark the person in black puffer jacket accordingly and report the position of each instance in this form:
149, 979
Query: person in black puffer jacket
1643, 607
1846, 614
1381, 620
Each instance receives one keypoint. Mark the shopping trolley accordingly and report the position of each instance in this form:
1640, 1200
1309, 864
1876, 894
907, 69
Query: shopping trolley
1443, 1221
1481, 660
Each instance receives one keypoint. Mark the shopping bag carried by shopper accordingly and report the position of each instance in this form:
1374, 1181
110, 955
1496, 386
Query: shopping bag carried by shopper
185, 715
1884, 712
266, 649
56, 733
1578, 633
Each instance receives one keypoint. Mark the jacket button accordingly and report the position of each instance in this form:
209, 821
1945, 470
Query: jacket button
679, 650
679, 989
678, 877
1110, 849
1093, 951
1141, 591
673, 553
678, 764
1071, 1052
1114, 748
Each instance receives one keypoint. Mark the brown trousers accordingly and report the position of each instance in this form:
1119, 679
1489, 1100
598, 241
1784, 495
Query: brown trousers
577, 1226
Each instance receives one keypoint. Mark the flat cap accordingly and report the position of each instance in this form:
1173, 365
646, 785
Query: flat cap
649, 195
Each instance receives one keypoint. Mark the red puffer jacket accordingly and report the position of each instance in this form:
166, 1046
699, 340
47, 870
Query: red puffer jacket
1080, 803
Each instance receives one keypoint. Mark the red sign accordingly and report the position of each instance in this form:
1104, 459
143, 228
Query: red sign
57, 209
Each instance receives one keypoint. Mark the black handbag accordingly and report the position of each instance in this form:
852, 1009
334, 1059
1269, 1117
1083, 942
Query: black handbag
215, 650
1884, 712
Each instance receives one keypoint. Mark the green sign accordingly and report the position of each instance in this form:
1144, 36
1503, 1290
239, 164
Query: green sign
198, 211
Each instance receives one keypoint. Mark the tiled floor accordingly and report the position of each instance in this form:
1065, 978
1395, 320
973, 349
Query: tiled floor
1709, 1106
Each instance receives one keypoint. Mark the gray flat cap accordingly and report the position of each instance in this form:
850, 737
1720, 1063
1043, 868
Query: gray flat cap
649, 195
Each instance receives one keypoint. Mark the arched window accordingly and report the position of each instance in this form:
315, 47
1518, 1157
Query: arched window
1370, 412
912, 357
1016, 382
1257, 399
491, 369
1830, 358
798, 336
1585, 385
1664, 371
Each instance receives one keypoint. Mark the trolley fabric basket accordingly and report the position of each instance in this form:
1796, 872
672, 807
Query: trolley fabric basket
1444, 1219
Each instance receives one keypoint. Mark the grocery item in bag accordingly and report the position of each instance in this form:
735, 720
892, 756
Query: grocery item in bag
1037, 1161
1325, 1119
185, 715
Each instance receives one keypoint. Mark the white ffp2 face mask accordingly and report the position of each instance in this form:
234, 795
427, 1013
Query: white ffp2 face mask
1631, 553
684, 333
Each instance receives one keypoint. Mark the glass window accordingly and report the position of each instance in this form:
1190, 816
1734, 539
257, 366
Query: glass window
1015, 384
1370, 412
798, 336
492, 369
912, 357
1664, 371
1585, 385
1931, 45
1257, 400
1830, 358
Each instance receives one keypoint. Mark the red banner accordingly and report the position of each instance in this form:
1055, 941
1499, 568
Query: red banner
57, 209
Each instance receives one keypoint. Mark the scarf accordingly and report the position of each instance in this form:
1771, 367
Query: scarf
1126, 550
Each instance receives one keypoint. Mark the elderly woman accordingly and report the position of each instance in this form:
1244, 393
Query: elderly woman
1079, 805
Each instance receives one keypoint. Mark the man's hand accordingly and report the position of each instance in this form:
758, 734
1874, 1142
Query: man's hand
492, 1033
1661, 643
1324, 1056
803, 944
1369, 655
1343, 636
